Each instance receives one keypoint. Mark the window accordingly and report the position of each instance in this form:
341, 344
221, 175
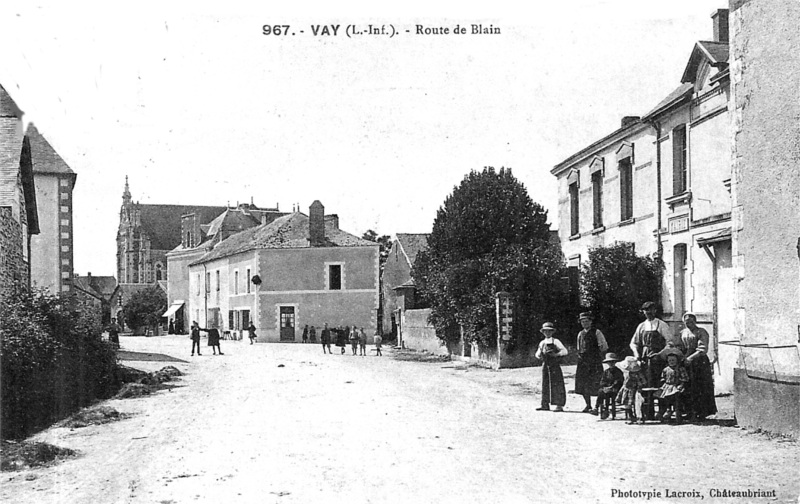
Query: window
231, 318
236, 282
208, 281
679, 158
198, 284
626, 189
574, 209
679, 270
335, 277
248, 280
597, 198
217, 278
245, 319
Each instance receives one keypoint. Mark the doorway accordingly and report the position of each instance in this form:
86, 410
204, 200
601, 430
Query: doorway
287, 323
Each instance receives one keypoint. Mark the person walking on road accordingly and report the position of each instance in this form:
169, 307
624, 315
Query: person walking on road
312, 335
362, 341
325, 337
378, 341
550, 351
113, 332
195, 337
213, 340
354, 340
305, 334
341, 338
251, 332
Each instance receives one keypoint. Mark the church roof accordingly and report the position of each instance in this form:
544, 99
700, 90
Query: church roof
412, 244
162, 223
44, 156
289, 231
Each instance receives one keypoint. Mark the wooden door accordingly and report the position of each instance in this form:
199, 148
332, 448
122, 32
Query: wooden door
287, 323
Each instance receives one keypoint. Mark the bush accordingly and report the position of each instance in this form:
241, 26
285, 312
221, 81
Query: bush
614, 284
144, 308
52, 361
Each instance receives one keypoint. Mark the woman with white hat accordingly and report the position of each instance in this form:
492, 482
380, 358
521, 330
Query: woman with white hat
550, 352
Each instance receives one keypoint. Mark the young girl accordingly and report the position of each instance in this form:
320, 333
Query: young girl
550, 351
673, 382
630, 394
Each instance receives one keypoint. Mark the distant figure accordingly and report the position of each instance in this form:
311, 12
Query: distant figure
362, 341
354, 340
325, 337
171, 329
251, 332
113, 332
195, 337
378, 340
312, 334
305, 334
341, 338
213, 340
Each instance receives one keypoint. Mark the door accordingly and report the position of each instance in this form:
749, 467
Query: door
287, 323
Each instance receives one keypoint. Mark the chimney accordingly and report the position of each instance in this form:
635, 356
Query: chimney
316, 224
720, 20
628, 120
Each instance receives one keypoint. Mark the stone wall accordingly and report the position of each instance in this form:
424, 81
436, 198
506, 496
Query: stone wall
765, 71
12, 264
419, 335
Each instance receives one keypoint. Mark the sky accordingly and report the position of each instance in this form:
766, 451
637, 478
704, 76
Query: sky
201, 107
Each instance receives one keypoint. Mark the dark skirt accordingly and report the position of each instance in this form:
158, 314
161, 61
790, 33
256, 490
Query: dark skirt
213, 337
587, 376
553, 390
701, 400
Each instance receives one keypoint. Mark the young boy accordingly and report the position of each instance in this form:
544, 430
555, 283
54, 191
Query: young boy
550, 351
610, 382
378, 341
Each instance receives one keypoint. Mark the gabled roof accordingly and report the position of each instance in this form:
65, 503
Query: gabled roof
44, 156
678, 95
8, 107
99, 286
411, 244
287, 232
232, 220
162, 223
715, 52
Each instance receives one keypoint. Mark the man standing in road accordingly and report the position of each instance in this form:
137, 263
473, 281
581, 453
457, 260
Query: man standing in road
326, 339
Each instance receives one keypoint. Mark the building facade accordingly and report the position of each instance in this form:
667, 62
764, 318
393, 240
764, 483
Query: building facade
397, 284
295, 271
765, 140
662, 182
18, 212
52, 250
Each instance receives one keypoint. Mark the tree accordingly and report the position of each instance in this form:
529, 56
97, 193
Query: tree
145, 307
615, 282
489, 236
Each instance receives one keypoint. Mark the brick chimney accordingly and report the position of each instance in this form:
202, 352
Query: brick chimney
628, 120
316, 224
720, 20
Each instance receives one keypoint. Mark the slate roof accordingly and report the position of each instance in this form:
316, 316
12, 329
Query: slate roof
716, 52
44, 156
162, 223
412, 244
8, 107
287, 232
231, 219
675, 96
99, 286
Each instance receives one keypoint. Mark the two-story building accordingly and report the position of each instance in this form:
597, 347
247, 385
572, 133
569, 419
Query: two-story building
397, 284
662, 182
295, 271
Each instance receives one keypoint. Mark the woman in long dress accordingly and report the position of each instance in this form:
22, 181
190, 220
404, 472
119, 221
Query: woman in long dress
591, 346
700, 391
550, 351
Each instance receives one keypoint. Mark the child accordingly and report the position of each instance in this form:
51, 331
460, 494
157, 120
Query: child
610, 384
251, 332
550, 351
378, 341
354, 340
362, 341
630, 393
673, 382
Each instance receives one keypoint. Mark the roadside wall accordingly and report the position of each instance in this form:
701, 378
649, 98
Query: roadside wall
418, 335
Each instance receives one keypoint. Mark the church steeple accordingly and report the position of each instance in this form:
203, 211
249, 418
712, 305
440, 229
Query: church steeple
126, 195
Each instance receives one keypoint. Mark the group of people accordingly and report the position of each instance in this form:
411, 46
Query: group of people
675, 371
341, 336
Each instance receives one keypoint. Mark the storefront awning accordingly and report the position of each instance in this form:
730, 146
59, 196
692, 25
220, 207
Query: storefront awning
176, 305
720, 236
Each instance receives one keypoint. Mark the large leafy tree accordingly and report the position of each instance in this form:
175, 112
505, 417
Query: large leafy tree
614, 284
145, 307
489, 236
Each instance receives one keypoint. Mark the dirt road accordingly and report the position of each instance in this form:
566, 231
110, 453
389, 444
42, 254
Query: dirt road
286, 424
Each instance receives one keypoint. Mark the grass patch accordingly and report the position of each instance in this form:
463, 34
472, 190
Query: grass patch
413, 355
17, 456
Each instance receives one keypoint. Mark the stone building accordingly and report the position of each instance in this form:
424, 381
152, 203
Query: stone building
765, 139
18, 212
98, 291
662, 182
397, 284
294, 271
52, 249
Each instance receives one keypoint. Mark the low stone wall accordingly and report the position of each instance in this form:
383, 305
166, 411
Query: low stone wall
767, 404
418, 335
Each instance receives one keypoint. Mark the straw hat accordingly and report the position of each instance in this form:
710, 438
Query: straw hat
630, 363
586, 315
611, 357
547, 326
